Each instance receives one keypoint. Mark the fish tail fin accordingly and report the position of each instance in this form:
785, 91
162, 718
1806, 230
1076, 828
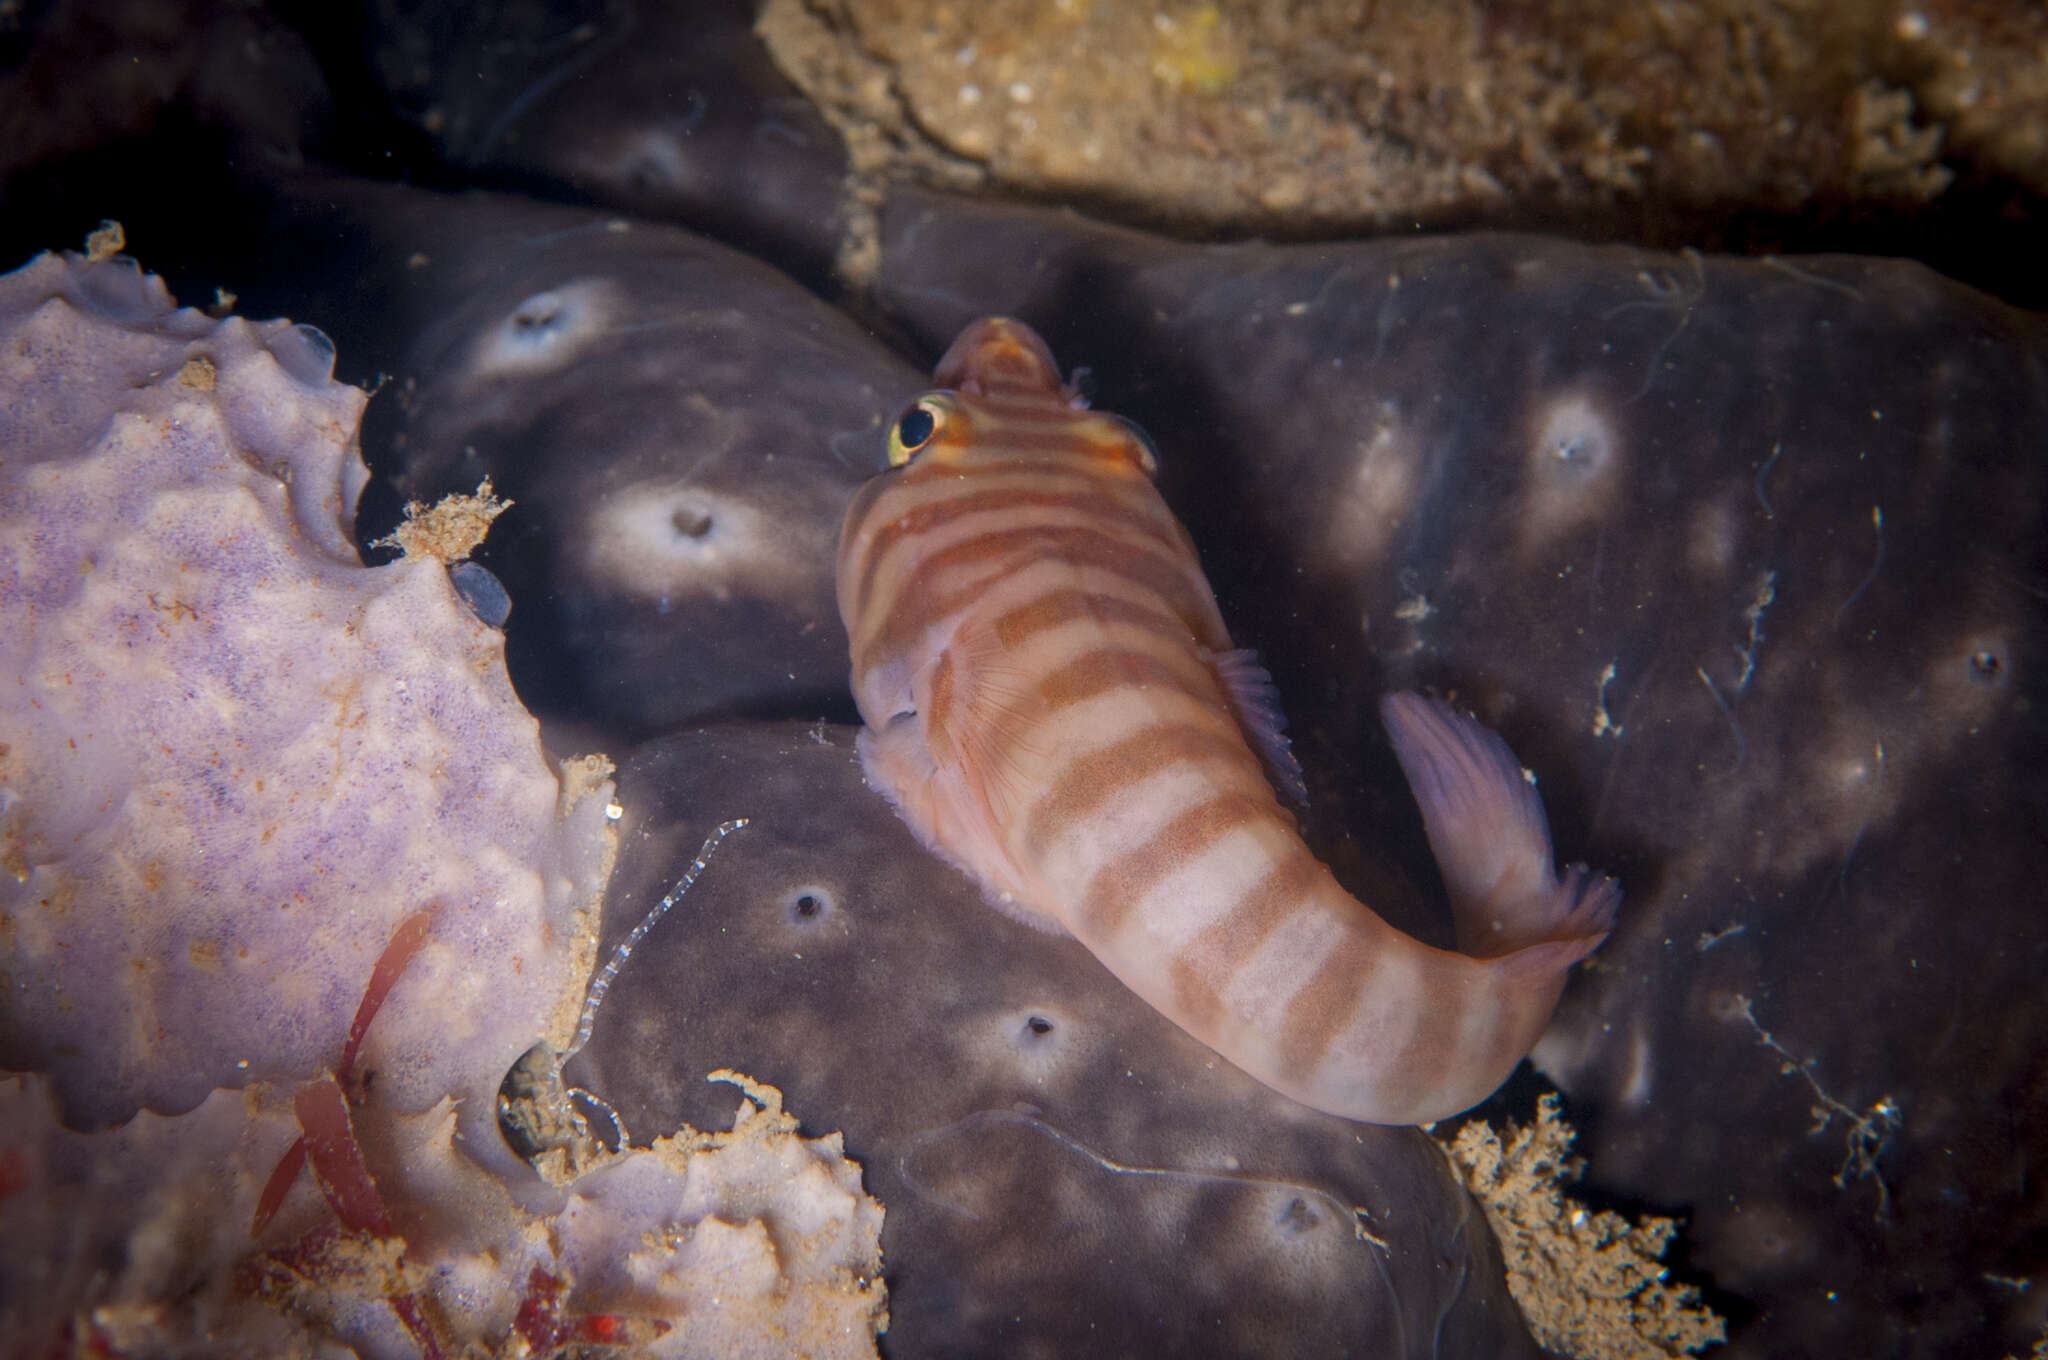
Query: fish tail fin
1492, 842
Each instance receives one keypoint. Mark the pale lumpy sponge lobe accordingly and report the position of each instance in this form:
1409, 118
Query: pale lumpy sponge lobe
232, 758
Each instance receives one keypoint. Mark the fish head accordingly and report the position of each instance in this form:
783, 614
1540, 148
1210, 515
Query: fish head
1001, 355
1000, 435
999, 396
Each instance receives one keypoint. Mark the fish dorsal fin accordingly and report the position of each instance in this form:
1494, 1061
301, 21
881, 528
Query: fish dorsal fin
1256, 703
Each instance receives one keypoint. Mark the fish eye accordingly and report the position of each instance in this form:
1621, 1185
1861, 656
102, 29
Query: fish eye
919, 424
1147, 451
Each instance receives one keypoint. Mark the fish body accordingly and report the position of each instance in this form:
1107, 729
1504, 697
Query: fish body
1053, 704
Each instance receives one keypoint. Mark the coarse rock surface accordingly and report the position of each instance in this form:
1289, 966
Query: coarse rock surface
1326, 117
1744, 125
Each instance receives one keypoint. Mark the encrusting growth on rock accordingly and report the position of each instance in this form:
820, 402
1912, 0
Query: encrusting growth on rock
1868, 1133
109, 240
1590, 1283
450, 529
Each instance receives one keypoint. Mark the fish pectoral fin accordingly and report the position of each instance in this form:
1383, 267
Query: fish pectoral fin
979, 714
1256, 703
898, 765
948, 814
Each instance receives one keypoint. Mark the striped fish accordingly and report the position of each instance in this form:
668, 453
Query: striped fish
1052, 704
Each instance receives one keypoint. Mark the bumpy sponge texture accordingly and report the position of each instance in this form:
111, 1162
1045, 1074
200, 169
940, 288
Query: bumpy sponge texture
233, 758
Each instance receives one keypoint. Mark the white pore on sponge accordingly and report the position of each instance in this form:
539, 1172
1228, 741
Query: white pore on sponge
232, 758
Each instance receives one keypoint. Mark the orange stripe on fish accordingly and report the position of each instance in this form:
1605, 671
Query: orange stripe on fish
1053, 704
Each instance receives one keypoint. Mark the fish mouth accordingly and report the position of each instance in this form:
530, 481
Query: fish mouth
1000, 353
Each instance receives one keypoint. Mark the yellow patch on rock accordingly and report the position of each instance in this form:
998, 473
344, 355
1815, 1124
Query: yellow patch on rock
1591, 1284
450, 529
